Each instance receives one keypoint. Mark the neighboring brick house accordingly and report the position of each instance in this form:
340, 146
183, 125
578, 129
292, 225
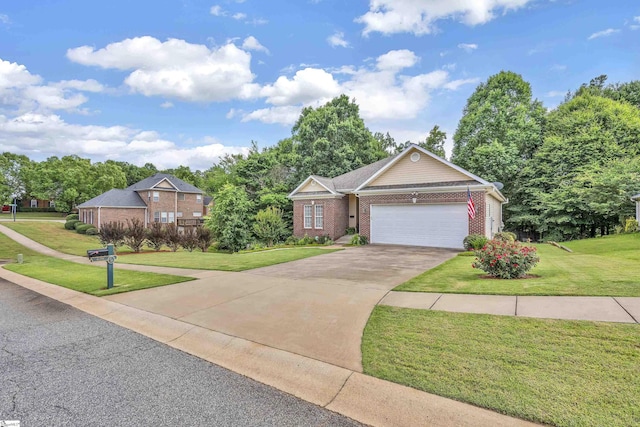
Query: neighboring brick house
160, 198
33, 203
412, 198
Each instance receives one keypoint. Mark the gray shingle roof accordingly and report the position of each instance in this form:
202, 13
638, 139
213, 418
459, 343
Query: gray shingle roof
636, 197
148, 183
115, 198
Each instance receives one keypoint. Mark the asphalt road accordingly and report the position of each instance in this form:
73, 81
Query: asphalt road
62, 367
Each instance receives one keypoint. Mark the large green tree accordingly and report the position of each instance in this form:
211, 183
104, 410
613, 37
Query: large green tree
587, 141
435, 141
14, 176
230, 221
501, 120
332, 139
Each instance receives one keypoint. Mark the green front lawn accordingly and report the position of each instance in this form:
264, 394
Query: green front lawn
53, 235
603, 266
222, 261
34, 215
565, 373
79, 277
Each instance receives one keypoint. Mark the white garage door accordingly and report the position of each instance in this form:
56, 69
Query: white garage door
441, 226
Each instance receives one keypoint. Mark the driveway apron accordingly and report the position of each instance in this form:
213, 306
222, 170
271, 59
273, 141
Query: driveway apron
316, 307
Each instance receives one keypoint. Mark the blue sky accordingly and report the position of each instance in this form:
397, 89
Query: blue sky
184, 82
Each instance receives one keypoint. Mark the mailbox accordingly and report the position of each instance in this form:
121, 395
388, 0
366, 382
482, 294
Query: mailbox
94, 253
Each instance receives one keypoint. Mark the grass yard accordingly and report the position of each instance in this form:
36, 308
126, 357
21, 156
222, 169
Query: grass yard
603, 266
54, 236
222, 261
34, 215
564, 373
84, 278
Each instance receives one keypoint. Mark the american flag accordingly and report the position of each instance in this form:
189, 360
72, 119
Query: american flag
471, 207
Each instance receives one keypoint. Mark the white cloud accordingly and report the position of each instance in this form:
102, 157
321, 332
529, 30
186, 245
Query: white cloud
257, 21
382, 90
81, 85
603, 33
217, 11
252, 43
337, 40
239, 16
167, 104
468, 47
175, 68
419, 16
44, 135
4, 19
636, 19
555, 94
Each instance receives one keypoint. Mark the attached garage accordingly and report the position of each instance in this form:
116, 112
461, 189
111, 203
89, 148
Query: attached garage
435, 225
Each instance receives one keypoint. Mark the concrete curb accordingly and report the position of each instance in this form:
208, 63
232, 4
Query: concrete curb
365, 399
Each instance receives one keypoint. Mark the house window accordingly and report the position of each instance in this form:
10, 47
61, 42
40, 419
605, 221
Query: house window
156, 216
197, 214
156, 196
199, 198
307, 216
179, 214
52, 204
163, 217
171, 217
319, 216
34, 203
181, 197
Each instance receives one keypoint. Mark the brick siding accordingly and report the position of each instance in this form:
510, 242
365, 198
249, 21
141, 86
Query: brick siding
476, 225
110, 215
335, 213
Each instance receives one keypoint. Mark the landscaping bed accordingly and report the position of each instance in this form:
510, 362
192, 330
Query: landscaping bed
606, 266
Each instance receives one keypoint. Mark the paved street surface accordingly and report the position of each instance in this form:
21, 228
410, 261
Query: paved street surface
62, 367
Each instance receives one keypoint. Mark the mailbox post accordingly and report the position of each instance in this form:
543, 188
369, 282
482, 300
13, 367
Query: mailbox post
104, 254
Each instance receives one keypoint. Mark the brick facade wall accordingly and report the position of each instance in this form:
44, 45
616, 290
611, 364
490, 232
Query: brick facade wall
110, 215
476, 226
336, 217
167, 203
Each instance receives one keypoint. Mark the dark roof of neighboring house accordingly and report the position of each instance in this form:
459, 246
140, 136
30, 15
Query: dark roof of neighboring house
149, 183
115, 198
206, 200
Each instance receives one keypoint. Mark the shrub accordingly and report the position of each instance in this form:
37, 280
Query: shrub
350, 230
306, 240
189, 239
630, 225
506, 260
505, 236
71, 225
291, 240
173, 239
205, 238
358, 240
72, 216
92, 231
155, 236
135, 234
474, 241
269, 225
78, 224
82, 229
112, 232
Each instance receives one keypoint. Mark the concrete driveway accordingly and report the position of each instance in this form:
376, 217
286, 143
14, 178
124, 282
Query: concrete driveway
316, 307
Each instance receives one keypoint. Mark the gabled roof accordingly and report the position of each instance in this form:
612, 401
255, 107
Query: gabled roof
115, 198
153, 181
358, 179
636, 197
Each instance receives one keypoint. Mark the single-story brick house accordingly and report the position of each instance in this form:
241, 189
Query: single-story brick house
412, 198
160, 198
636, 199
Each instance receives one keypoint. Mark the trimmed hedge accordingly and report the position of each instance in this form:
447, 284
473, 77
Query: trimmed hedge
72, 216
71, 224
82, 229
92, 231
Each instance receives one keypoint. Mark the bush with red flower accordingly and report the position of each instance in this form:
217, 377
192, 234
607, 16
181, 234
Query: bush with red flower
506, 260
